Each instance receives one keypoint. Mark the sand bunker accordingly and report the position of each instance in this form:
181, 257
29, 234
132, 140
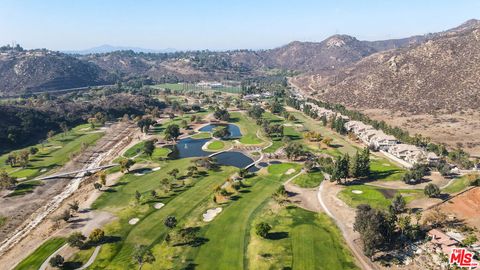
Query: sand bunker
158, 205
356, 191
290, 171
156, 169
133, 221
287, 125
211, 214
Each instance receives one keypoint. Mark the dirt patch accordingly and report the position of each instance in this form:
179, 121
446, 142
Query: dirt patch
290, 171
465, 207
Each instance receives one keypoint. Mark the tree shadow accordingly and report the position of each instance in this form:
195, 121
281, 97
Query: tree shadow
277, 235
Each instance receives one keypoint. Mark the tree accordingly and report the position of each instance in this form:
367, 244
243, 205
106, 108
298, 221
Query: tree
102, 177
340, 170
33, 150
125, 165
174, 173
374, 228
431, 190
242, 172
154, 194
398, 204
6, 181
56, 261
184, 124
23, 158
221, 114
221, 132
76, 239
138, 196
172, 132
142, 254
192, 170
294, 150
170, 222
262, 229
255, 112
327, 141
97, 185
64, 128
165, 185
435, 218
281, 195
310, 165
74, 206
149, 147
96, 236
65, 215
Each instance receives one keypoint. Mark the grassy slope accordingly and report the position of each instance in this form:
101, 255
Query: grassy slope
150, 229
247, 127
299, 239
237, 218
216, 145
35, 260
457, 185
372, 195
309, 180
385, 170
55, 153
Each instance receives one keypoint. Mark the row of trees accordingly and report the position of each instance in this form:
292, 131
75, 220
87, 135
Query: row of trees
356, 167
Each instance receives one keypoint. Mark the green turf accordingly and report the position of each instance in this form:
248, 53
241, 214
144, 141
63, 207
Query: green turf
247, 127
384, 170
373, 196
282, 168
237, 217
202, 135
134, 150
56, 152
160, 152
193, 87
150, 230
216, 145
35, 260
457, 185
309, 180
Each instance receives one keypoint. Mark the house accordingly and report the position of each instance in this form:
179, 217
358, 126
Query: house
442, 241
383, 141
432, 158
368, 134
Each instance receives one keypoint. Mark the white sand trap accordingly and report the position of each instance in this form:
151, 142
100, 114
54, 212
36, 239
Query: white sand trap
133, 221
298, 125
138, 174
287, 125
211, 214
156, 169
21, 179
355, 191
158, 205
290, 171
43, 170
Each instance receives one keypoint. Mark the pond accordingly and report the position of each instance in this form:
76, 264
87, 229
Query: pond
188, 147
233, 129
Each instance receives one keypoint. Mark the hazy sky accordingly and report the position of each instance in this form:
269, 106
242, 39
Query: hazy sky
226, 24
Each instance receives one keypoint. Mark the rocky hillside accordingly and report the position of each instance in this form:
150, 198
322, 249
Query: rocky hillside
336, 51
438, 75
39, 70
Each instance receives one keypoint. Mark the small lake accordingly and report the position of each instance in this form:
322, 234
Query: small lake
188, 147
233, 129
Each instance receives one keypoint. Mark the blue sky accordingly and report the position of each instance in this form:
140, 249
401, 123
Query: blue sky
218, 25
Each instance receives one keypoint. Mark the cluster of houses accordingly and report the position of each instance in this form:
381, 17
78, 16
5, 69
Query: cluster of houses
211, 85
252, 97
445, 242
406, 154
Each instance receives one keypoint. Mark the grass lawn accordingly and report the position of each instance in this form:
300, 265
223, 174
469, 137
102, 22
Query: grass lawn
283, 168
377, 197
309, 180
25, 187
160, 152
457, 185
299, 239
226, 249
134, 150
247, 127
216, 145
339, 142
35, 260
80, 257
150, 229
384, 170
202, 135
56, 152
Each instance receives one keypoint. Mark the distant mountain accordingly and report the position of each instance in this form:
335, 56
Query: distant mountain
109, 48
41, 70
440, 74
